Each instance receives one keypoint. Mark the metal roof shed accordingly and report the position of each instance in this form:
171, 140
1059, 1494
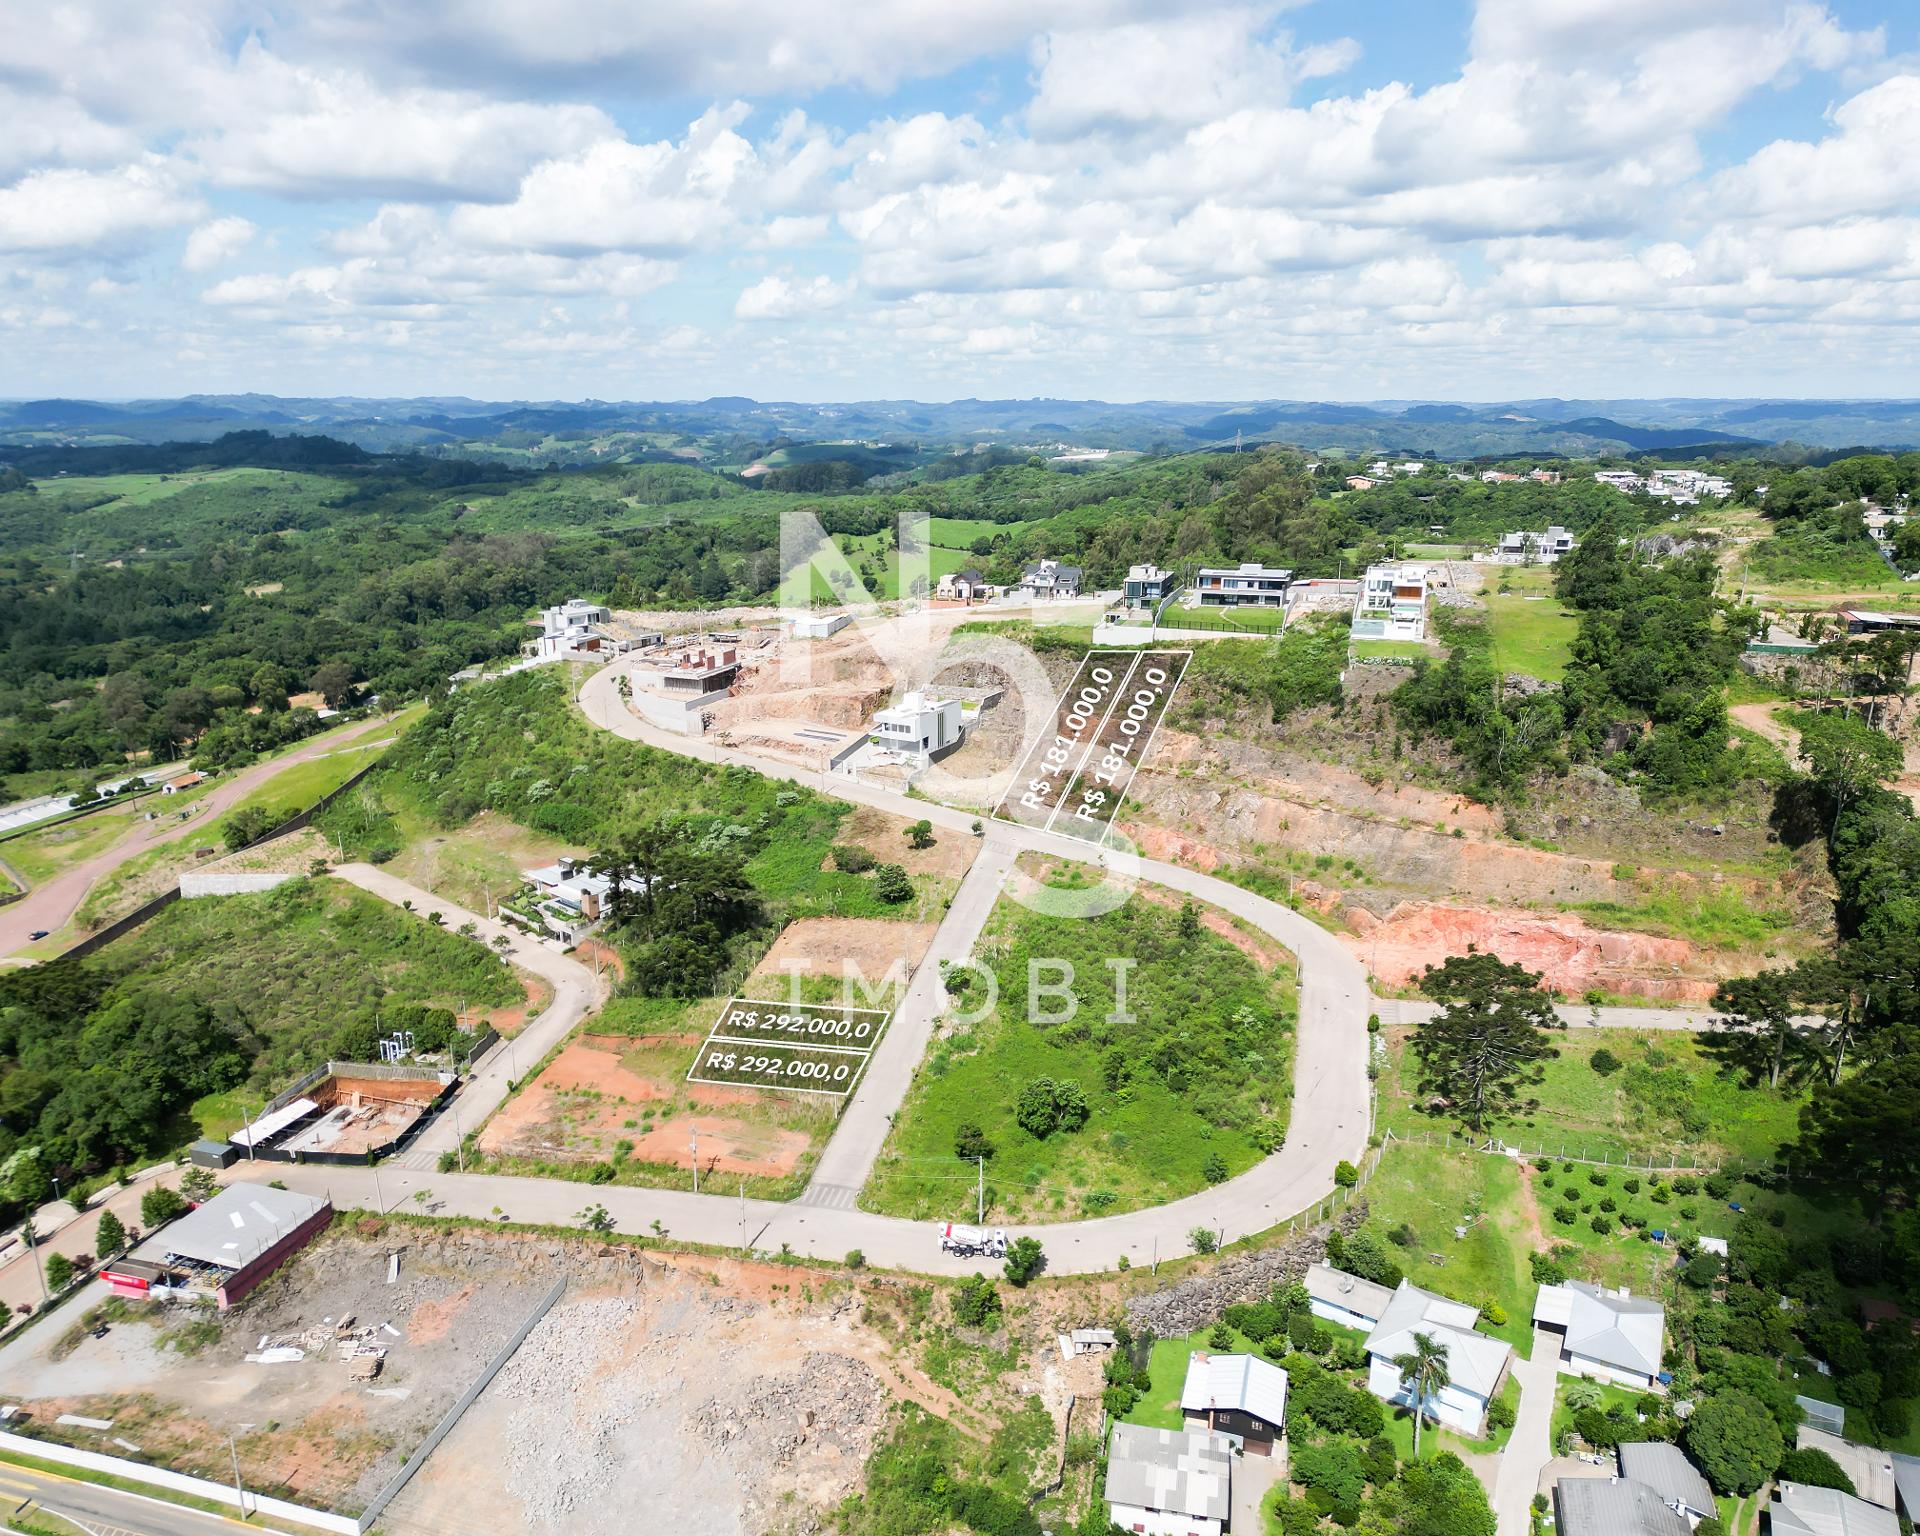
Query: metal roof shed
240, 1224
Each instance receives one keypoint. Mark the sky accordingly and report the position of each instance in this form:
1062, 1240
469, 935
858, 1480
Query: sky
1121, 199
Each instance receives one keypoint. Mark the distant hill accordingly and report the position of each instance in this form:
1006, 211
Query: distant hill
731, 428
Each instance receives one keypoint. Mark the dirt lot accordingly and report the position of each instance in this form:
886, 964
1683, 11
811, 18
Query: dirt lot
176, 1382
702, 1397
873, 947
885, 837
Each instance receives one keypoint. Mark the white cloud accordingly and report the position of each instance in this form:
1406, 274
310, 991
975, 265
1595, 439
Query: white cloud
661, 199
1870, 163
217, 242
69, 211
779, 298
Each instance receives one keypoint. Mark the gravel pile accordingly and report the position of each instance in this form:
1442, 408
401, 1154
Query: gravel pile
552, 1375
1199, 1300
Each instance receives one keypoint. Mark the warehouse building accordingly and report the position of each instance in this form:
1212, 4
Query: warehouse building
233, 1242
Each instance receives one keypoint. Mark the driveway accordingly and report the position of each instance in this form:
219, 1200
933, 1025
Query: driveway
1531, 1446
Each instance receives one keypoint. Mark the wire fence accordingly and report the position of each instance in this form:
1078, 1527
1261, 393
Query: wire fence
1676, 1160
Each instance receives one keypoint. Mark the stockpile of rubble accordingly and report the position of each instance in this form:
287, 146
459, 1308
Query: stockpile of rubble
1199, 1300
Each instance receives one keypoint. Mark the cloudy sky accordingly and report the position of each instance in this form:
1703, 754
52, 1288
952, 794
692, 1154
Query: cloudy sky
1352, 199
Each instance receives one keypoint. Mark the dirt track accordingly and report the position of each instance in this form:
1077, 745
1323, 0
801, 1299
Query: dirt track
50, 905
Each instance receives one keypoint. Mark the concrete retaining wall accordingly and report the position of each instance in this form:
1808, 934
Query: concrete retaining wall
179, 1482
238, 884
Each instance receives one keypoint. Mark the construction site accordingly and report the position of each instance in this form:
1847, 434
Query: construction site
346, 1112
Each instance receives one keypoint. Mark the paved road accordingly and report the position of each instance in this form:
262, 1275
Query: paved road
48, 906
1531, 1446
577, 992
1401, 1010
107, 1511
1329, 1116
856, 1142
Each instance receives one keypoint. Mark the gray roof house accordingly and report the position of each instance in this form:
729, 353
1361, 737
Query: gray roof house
1906, 1482
1868, 1468
1665, 1469
1338, 1297
1168, 1480
1613, 1506
1798, 1510
1240, 1396
1609, 1335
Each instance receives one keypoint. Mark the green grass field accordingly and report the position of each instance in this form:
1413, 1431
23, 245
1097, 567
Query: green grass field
1250, 620
1670, 1099
1527, 627
960, 532
1174, 1091
1390, 650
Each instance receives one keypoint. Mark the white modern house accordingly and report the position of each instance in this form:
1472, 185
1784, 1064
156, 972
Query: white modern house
1391, 604
1476, 1364
1240, 1397
1525, 547
572, 628
1249, 583
1168, 1482
921, 727
1147, 586
1611, 1336
1334, 1296
571, 899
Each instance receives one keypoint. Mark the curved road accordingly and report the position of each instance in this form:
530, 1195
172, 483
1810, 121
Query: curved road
1329, 1119
48, 905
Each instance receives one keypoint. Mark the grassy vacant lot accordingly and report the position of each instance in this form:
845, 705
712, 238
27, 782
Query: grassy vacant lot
960, 532
1528, 628
1670, 1098
1391, 650
1180, 1090
288, 967
874, 549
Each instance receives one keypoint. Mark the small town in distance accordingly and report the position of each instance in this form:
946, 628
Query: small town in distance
1100, 771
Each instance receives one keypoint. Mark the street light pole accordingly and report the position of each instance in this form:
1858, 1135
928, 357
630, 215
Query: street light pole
378, 1193
696, 1160
26, 1231
239, 1488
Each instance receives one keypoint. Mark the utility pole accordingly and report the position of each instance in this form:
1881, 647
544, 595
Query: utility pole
696, 1160
459, 1141
980, 1199
239, 1488
378, 1193
743, 1213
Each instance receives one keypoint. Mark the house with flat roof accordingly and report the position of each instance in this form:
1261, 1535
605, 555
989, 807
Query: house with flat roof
1477, 1365
1241, 1397
1606, 1335
1335, 1296
1523, 546
1169, 1482
1147, 586
1613, 1506
1249, 583
1391, 604
922, 726
572, 629
1798, 1510
1665, 1469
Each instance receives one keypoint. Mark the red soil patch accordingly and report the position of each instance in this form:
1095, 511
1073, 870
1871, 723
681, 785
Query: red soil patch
726, 1146
435, 1319
588, 949
1262, 954
1572, 956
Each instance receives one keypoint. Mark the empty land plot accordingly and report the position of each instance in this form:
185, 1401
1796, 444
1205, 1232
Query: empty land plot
174, 1382
1192, 1086
1528, 628
1664, 1095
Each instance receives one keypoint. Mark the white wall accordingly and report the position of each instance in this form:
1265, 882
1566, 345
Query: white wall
240, 884
1326, 1311
1599, 1370
1454, 1407
1158, 1522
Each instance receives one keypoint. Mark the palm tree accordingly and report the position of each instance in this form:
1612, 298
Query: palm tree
1423, 1372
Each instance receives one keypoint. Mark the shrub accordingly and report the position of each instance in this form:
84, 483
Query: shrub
160, 1205
1403, 1236
1815, 1468
1220, 1338
1688, 1210
970, 1143
1045, 1106
1601, 1224
1025, 1259
1631, 1186
1719, 1185
976, 1304
852, 860
1609, 1204
1604, 1062
199, 1185
59, 1272
1500, 1415
1597, 1177
1214, 1169
1345, 1174
920, 834
1546, 1181
891, 885
1547, 1270
1686, 1184
1203, 1240
1661, 1194
856, 1259
1495, 1313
